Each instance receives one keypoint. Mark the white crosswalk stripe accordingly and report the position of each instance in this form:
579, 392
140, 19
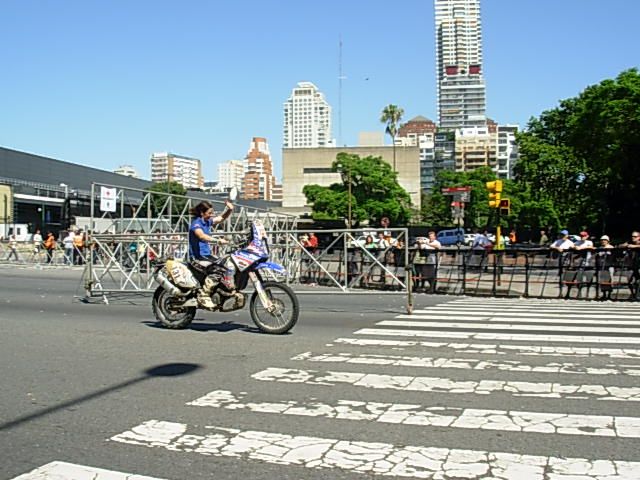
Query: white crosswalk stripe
520, 337
493, 348
456, 417
409, 383
466, 352
369, 457
469, 364
71, 471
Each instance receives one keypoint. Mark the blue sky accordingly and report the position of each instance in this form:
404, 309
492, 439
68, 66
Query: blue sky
104, 83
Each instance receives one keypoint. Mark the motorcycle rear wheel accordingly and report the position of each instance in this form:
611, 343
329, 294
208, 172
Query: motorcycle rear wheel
285, 314
168, 317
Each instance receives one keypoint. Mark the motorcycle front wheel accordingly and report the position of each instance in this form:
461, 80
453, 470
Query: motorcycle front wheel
284, 313
168, 313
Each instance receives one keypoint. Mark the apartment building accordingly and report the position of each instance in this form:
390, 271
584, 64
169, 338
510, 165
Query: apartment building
171, 167
307, 118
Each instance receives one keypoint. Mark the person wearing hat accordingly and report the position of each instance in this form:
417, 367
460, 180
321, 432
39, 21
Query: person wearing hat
586, 245
584, 241
605, 242
604, 263
562, 243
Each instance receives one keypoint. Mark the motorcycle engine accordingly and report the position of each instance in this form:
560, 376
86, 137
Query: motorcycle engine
235, 301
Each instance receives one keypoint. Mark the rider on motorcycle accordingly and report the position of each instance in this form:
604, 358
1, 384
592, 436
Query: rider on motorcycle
199, 244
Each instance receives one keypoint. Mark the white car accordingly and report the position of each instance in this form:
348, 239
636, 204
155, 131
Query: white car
469, 238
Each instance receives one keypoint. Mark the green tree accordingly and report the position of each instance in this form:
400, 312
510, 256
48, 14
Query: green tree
158, 202
579, 162
375, 192
391, 116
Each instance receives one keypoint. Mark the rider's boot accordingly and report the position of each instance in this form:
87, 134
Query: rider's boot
204, 294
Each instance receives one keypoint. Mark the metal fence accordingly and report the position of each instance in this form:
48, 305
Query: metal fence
124, 263
123, 246
610, 274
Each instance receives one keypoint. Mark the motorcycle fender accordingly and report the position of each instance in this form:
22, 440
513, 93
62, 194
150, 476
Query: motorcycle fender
273, 266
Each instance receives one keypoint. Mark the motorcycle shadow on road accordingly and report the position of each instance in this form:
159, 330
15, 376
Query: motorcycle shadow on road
220, 327
167, 370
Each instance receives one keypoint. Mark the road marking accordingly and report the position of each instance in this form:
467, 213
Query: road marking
588, 309
468, 364
522, 337
570, 303
455, 417
557, 307
368, 457
523, 317
494, 349
498, 326
447, 385
70, 471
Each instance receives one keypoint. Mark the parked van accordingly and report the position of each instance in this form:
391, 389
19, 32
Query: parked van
454, 236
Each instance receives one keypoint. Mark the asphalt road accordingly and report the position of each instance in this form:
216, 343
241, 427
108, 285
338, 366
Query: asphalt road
103, 386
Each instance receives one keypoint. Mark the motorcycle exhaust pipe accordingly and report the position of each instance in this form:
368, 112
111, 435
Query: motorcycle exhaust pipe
165, 283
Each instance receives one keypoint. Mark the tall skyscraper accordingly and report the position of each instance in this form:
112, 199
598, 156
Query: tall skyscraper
460, 81
307, 118
258, 180
176, 168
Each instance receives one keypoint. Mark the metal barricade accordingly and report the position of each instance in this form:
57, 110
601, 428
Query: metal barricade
123, 263
127, 234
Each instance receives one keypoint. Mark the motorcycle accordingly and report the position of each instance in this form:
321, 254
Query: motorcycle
273, 306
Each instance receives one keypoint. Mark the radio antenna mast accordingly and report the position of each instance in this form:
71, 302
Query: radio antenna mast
340, 78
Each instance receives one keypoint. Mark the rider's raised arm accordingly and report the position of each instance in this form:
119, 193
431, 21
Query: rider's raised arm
227, 212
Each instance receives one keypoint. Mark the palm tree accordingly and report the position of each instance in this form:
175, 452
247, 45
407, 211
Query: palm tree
391, 115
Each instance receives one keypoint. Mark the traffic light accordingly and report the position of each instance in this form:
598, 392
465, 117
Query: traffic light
495, 192
505, 206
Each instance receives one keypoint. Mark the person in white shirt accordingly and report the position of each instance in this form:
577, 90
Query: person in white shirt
383, 243
426, 261
563, 243
584, 242
68, 248
37, 241
481, 241
13, 247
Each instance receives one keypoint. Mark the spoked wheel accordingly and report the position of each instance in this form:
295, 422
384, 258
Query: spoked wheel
168, 313
284, 312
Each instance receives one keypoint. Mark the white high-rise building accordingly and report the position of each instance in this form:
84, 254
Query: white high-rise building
186, 171
307, 118
230, 174
459, 67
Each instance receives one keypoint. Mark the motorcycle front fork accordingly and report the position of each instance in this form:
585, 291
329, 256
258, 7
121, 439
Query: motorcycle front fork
262, 294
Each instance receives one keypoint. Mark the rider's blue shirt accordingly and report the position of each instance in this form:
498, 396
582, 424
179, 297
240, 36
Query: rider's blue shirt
199, 248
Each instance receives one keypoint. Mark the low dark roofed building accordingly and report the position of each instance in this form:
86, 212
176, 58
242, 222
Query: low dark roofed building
38, 169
